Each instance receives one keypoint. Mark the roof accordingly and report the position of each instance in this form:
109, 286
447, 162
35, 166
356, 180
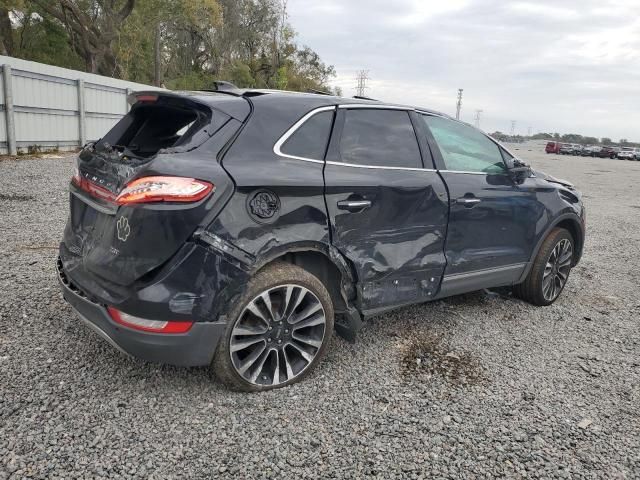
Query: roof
253, 95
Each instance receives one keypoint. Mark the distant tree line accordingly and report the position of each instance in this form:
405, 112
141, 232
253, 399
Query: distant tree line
182, 44
567, 138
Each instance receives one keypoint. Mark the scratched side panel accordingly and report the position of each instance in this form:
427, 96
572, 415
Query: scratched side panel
396, 245
294, 187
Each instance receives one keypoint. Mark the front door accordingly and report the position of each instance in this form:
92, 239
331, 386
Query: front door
388, 213
492, 220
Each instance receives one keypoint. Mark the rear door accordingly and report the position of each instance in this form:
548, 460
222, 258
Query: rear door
388, 210
492, 220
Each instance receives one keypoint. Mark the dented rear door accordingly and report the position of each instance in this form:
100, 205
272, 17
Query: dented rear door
388, 212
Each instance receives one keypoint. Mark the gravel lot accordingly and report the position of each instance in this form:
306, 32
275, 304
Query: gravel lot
479, 385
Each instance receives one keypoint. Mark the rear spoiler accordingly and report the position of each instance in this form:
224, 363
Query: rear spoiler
234, 106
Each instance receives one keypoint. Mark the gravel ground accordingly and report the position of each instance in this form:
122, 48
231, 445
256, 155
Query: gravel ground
479, 385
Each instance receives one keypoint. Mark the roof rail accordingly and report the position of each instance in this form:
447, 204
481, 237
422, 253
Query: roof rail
360, 97
319, 92
222, 86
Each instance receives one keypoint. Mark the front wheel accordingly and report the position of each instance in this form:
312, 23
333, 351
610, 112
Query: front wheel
277, 332
550, 270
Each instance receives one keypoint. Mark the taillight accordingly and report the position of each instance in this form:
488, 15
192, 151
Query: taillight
146, 325
147, 98
164, 189
92, 188
76, 178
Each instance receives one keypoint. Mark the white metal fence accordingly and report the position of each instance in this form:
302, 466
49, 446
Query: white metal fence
46, 107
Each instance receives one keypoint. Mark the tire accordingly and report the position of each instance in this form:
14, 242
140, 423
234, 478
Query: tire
290, 353
535, 289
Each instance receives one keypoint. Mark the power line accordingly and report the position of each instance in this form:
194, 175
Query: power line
477, 117
361, 78
459, 104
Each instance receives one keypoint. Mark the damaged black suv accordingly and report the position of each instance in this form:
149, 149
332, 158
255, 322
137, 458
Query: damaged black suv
230, 228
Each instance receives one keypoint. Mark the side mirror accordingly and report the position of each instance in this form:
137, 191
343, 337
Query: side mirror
520, 173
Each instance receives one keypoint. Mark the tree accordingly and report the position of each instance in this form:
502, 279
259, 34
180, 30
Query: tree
6, 31
606, 141
542, 136
183, 44
92, 26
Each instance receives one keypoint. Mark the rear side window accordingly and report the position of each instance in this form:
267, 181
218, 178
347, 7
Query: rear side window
311, 139
165, 124
383, 138
463, 148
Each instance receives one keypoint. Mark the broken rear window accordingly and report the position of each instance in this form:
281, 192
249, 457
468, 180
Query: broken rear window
166, 123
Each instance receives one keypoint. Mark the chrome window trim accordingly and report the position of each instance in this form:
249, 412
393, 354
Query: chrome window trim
472, 173
379, 167
435, 114
278, 145
375, 107
277, 148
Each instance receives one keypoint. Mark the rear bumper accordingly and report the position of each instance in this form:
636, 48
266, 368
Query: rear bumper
194, 348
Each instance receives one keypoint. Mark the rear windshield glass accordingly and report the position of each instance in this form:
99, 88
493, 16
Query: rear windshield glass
164, 124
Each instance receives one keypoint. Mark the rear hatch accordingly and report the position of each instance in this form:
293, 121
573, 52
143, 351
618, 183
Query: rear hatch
141, 191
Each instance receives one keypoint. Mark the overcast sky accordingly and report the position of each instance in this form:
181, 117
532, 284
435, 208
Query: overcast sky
568, 66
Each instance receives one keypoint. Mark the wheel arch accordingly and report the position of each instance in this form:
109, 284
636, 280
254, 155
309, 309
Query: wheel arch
324, 262
570, 222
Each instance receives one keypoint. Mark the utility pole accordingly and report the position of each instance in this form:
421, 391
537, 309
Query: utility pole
361, 78
513, 127
459, 104
477, 118
529, 132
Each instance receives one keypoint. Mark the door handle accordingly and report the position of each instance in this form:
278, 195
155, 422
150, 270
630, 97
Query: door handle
354, 205
468, 202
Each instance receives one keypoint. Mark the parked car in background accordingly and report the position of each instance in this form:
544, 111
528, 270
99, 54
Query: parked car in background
594, 151
629, 153
228, 229
567, 149
553, 147
585, 150
608, 152
571, 149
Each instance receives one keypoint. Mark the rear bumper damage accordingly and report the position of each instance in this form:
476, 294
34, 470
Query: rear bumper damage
193, 348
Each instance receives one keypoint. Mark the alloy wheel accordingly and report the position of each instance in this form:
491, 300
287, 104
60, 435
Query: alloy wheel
278, 335
556, 271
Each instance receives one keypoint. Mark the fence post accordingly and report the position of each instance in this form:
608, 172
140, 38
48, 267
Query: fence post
82, 128
8, 110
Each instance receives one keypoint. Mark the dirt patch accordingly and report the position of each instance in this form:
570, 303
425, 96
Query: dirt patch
12, 197
430, 355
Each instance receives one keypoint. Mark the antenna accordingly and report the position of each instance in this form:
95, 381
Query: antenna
361, 77
477, 118
459, 104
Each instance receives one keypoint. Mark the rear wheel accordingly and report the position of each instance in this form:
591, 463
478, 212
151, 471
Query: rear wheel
278, 331
550, 270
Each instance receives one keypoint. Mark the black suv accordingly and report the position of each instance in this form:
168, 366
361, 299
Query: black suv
231, 228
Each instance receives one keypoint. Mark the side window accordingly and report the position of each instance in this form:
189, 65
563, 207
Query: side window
463, 148
508, 158
311, 139
382, 138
